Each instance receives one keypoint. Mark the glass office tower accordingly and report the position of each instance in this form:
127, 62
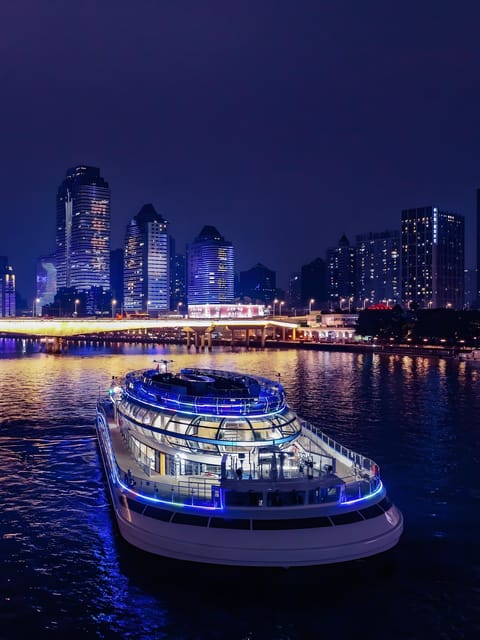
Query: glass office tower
146, 266
210, 269
82, 248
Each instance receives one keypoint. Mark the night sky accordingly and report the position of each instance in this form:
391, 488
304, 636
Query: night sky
283, 124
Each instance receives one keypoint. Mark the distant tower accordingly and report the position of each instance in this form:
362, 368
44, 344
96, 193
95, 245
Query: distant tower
258, 284
378, 268
116, 278
314, 283
179, 298
477, 301
82, 250
294, 296
7, 289
341, 273
46, 282
210, 269
147, 263
433, 246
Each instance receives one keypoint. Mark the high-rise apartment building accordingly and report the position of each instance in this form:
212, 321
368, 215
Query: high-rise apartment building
82, 249
7, 289
146, 263
210, 269
341, 274
433, 247
377, 266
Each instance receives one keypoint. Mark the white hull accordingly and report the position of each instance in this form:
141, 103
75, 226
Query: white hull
290, 548
268, 548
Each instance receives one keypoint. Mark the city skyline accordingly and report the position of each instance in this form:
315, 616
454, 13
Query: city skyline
283, 125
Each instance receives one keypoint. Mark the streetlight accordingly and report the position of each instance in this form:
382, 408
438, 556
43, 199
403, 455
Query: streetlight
77, 302
342, 300
365, 300
274, 303
114, 302
180, 304
310, 305
280, 307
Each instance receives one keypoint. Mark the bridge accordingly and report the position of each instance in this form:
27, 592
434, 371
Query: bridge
198, 331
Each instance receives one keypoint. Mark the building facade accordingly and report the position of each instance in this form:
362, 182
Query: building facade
7, 289
378, 268
433, 262
211, 271
179, 289
258, 284
146, 265
313, 284
341, 274
46, 282
116, 279
82, 247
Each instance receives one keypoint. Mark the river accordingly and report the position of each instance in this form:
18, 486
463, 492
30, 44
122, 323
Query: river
65, 572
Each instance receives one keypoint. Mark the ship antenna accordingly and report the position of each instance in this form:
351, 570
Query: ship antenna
165, 363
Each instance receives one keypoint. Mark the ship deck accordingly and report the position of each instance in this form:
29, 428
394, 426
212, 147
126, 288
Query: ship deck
199, 487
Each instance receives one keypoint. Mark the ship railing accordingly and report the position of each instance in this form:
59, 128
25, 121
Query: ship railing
266, 402
361, 465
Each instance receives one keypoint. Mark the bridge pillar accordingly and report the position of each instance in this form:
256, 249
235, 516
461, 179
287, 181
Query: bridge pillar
55, 345
247, 338
264, 333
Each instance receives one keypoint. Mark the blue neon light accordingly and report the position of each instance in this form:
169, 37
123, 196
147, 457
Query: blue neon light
364, 498
118, 481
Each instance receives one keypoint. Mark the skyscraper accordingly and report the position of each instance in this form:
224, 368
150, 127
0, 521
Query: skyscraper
179, 288
210, 268
433, 245
82, 249
147, 263
258, 284
378, 268
341, 273
7, 289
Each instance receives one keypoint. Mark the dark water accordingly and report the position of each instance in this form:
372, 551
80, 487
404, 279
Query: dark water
65, 573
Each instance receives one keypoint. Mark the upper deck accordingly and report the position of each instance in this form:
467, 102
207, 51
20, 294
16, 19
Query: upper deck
207, 392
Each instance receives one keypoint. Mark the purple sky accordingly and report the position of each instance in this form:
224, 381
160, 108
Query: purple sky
282, 123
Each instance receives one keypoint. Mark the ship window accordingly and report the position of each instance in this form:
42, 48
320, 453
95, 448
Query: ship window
158, 514
224, 523
371, 512
346, 518
244, 498
295, 523
385, 504
186, 518
133, 505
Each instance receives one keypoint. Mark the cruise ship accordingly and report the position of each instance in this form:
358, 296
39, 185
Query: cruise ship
214, 467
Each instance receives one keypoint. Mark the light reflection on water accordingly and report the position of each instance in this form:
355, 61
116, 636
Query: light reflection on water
65, 571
